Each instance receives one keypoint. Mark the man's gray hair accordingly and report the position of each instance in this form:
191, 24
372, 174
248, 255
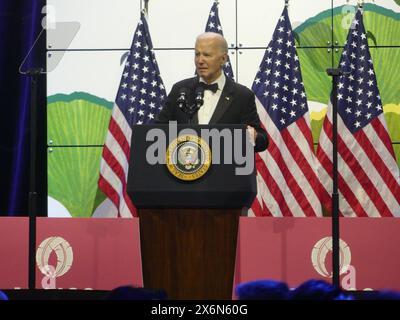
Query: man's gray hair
221, 40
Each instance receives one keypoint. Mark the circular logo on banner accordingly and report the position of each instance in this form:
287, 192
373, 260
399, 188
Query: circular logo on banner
61, 248
321, 250
188, 157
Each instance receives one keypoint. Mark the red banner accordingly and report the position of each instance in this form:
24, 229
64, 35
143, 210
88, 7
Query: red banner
14, 244
297, 249
102, 254
87, 253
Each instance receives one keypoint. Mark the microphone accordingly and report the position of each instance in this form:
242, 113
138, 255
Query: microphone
199, 95
182, 98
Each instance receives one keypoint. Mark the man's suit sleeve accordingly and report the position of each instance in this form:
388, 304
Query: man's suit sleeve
251, 117
168, 113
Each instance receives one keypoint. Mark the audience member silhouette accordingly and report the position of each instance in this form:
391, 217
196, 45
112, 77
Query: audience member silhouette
133, 293
262, 290
3, 296
318, 290
380, 295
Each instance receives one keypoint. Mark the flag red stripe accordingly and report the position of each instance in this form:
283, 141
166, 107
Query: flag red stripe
109, 191
266, 212
303, 165
274, 189
346, 191
120, 172
256, 207
326, 198
290, 180
343, 186
118, 134
377, 161
305, 129
383, 135
362, 177
301, 160
114, 164
129, 203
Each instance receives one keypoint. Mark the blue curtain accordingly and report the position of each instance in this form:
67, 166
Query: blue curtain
20, 23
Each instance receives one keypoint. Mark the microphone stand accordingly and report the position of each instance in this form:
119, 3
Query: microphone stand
335, 74
190, 110
34, 75
69, 30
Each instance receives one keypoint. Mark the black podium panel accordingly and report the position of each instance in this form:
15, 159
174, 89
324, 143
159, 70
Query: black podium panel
153, 186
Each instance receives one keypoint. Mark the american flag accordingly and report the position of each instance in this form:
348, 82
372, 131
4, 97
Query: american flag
368, 176
139, 99
287, 178
214, 25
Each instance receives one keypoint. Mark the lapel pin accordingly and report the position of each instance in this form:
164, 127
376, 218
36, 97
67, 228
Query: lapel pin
227, 98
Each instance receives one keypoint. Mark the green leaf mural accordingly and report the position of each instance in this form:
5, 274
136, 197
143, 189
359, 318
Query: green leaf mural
72, 178
315, 31
387, 69
77, 119
317, 83
382, 24
393, 123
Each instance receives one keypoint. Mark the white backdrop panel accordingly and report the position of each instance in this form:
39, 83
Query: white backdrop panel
257, 19
249, 61
176, 23
97, 73
104, 23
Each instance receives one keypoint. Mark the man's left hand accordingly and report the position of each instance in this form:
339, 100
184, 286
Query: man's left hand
253, 135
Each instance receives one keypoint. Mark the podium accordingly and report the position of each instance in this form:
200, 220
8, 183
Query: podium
188, 229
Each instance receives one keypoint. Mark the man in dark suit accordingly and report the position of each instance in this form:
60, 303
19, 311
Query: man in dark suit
225, 102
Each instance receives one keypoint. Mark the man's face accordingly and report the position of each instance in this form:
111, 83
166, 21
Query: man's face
209, 58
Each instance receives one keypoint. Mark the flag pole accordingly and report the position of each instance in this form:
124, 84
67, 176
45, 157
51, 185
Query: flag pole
146, 8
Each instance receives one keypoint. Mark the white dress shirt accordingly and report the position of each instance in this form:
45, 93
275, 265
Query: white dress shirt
210, 100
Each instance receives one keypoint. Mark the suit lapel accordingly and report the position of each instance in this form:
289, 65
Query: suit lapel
224, 102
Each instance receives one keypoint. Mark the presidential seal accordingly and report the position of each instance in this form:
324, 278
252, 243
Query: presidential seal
188, 157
